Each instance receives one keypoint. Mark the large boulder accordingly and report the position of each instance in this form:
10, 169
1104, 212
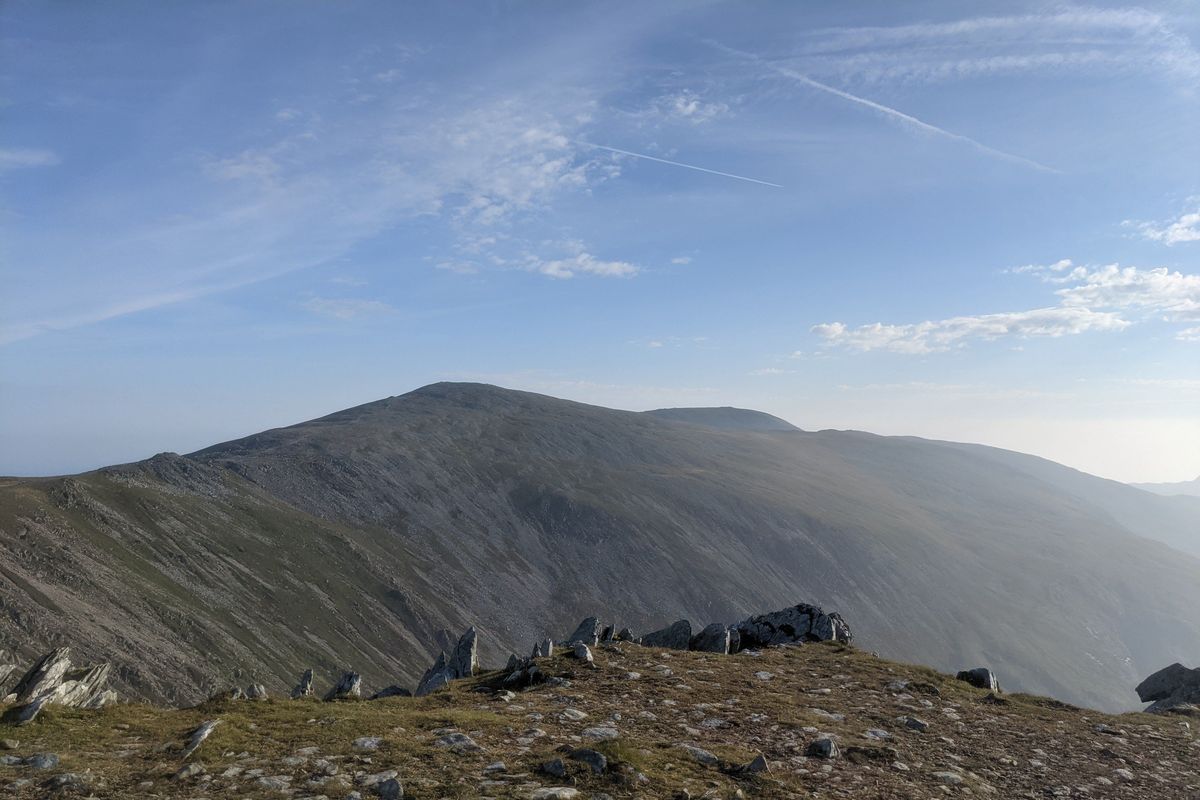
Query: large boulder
52, 681
588, 632
980, 678
463, 662
1170, 688
676, 636
44, 676
713, 639
800, 623
305, 687
348, 687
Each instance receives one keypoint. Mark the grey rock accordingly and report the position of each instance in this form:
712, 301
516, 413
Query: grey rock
348, 687
435, 677
676, 636
713, 639
44, 676
392, 691
980, 677
24, 714
305, 687
554, 793
607, 634
513, 663
464, 660
543, 649
799, 623
256, 691
9, 744
624, 635
588, 632
759, 764
916, 724
1166, 682
391, 789
824, 747
600, 733
582, 652
458, 742
6, 672
42, 761
595, 760
735, 640
555, 767
189, 771
367, 744
197, 737
700, 754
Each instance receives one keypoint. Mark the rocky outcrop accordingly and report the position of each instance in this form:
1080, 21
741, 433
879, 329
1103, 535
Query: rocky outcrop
462, 663
713, 639
981, 678
1170, 688
588, 632
391, 691
676, 636
198, 736
349, 687
798, 624
305, 687
52, 681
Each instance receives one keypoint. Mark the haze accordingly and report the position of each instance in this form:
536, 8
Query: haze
977, 223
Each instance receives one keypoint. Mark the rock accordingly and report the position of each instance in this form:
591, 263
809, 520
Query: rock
256, 691
367, 744
527, 674
189, 771
435, 677
198, 736
9, 744
458, 742
700, 754
390, 790
800, 623
392, 691
6, 671
44, 676
42, 761
607, 634
24, 714
583, 653
595, 760
600, 734
713, 639
759, 764
513, 663
305, 687
588, 632
948, 778
554, 793
916, 724
735, 641
555, 767
624, 635
676, 636
981, 678
464, 659
543, 649
1170, 688
348, 687
825, 747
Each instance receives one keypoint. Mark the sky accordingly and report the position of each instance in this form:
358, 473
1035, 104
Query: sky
977, 222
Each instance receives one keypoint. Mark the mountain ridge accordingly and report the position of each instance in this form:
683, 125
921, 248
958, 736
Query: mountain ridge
359, 536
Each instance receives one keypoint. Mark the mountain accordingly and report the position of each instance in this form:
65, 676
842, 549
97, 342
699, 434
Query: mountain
358, 539
726, 418
1190, 488
641, 723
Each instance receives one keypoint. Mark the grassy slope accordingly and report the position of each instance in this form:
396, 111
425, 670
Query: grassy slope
720, 703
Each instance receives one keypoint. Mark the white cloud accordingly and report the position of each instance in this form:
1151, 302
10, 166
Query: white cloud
346, 308
1184, 229
770, 371
689, 106
681, 260
581, 263
25, 158
1095, 300
1189, 334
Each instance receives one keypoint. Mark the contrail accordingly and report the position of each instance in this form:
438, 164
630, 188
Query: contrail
678, 164
887, 110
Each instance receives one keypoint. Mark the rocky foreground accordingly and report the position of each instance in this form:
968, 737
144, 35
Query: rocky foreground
812, 720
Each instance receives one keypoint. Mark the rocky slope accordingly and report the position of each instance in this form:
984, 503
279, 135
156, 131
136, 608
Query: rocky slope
820, 720
358, 539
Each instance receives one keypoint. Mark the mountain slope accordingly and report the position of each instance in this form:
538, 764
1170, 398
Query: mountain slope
726, 418
352, 540
1190, 488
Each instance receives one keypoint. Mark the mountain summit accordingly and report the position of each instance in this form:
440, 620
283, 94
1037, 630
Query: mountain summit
362, 537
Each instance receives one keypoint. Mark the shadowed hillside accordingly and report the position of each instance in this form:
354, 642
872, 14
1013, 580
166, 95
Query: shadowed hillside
352, 540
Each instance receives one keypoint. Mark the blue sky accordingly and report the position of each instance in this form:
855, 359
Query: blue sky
960, 221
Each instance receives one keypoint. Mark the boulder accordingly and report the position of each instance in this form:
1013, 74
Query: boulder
588, 632
24, 713
607, 634
305, 687
198, 736
392, 691
594, 759
44, 676
256, 691
543, 649
1166, 682
825, 747
980, 677
583, 653
624, 635
676, 636
713, 639
464, 659
435, 677
349, 686
800, 623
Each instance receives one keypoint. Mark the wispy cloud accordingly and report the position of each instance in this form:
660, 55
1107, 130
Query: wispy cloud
581, 263
25, 157
1090, 300
1185, 228
690, 107
619, 151
886, 111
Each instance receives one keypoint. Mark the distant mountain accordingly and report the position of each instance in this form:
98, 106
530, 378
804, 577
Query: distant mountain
726, 418
1190, 488
356, 539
